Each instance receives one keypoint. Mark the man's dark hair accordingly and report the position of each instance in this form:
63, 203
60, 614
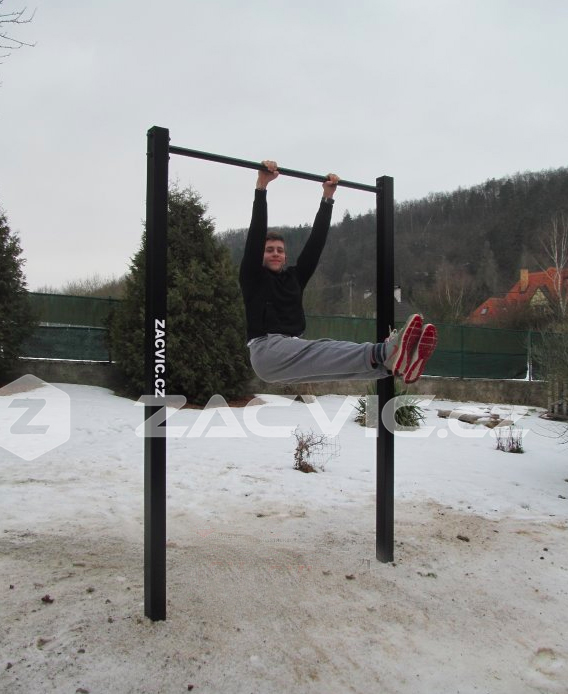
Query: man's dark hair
273, 236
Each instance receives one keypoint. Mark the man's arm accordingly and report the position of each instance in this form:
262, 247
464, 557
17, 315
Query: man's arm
310, 255
251, 263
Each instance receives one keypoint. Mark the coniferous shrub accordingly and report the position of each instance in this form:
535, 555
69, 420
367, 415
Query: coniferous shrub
410, 414
206, 332
16, 319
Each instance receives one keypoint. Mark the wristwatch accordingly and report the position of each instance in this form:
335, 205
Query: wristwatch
329, 201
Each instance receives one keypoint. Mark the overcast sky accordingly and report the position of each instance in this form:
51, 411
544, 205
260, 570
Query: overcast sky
438, 94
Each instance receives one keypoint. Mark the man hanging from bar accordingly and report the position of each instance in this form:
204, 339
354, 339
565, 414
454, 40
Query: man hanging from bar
275, 317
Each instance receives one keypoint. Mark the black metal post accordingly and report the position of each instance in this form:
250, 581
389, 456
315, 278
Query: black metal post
155, 373
385, 386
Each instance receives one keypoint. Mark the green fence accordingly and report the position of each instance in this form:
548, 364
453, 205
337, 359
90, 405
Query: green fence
462, 352
73, 327
61, 342
472, 352
60, 309
340, 328
70, 327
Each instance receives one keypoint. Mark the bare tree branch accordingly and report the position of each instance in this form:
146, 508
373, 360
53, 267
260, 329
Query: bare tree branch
8, 42
555, 246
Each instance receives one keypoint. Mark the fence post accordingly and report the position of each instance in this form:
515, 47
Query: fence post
529, 355
461, 350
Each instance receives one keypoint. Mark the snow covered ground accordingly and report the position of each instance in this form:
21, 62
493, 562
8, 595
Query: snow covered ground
273, 585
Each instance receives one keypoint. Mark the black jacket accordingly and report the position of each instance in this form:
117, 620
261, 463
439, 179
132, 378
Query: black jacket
273, 300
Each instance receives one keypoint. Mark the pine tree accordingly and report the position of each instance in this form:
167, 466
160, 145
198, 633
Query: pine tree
205, 323
16, 321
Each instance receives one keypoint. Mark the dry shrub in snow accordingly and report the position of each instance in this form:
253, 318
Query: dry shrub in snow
313, 450
509, 440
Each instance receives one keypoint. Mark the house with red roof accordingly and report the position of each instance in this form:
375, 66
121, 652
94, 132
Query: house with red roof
536, 290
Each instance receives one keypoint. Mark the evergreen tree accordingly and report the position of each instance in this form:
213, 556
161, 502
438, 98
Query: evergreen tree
205, 323
16, 321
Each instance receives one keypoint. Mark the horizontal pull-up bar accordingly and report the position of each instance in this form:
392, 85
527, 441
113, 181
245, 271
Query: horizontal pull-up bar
243, 163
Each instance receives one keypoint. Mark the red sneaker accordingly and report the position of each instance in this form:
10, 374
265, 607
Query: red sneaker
422, 352
399, 346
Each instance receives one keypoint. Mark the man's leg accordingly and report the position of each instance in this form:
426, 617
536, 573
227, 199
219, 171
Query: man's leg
282, 359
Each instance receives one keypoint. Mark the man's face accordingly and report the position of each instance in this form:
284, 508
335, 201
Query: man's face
274, 255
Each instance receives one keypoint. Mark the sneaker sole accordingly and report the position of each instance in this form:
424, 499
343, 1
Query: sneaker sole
408, 339
423, 351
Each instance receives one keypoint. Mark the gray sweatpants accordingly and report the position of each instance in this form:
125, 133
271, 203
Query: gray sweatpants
283, 359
